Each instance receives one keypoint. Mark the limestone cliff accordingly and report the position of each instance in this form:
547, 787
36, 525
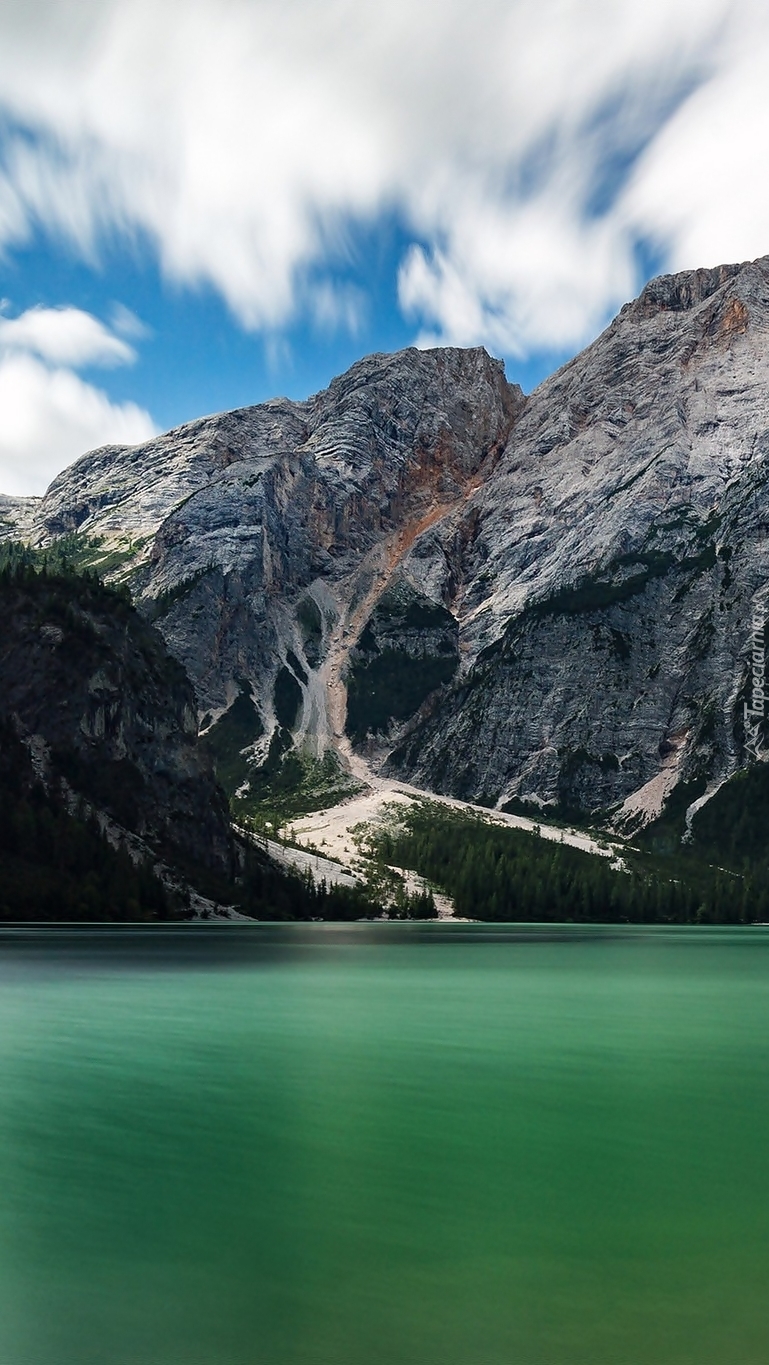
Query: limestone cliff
260, 541
545, 598
606, 570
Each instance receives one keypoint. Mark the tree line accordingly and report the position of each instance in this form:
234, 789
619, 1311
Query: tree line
498, 873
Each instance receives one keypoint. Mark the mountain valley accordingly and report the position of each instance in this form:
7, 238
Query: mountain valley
536, 604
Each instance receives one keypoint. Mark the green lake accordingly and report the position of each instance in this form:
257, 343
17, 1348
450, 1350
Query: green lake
395, 1145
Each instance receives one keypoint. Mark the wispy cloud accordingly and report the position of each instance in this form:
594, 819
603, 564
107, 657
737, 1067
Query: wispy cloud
125, 322
528, 146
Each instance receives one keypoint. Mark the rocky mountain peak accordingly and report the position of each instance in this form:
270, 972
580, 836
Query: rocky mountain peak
544, 598
720, 303
684, 291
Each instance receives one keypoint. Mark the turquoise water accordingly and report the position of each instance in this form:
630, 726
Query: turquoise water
384, 1146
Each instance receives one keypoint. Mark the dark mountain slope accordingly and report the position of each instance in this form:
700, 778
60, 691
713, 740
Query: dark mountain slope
98, 701
56, 864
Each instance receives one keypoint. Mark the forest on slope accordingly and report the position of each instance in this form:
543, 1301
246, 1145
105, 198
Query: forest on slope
99, 799
497, 873
57, 863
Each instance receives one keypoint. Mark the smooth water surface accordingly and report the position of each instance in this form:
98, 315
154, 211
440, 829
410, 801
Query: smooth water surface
384, 1146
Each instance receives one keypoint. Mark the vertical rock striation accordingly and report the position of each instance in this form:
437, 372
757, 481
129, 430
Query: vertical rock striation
606, 568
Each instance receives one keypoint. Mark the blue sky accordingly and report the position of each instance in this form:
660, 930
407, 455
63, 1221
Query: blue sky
194, 356
205, 205
197, 357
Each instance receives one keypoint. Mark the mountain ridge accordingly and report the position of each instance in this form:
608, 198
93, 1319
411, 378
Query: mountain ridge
595, 548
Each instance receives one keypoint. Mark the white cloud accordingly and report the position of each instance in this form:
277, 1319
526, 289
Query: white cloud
242, 135
519, 279
48, 414
65, 336
701, 188
49, 417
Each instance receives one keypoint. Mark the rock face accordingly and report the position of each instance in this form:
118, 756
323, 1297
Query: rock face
544, 598
609, 564
260, 541
100, 703
17, 515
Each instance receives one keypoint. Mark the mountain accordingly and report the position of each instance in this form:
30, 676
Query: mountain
544, 599
615, 554
108, 720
